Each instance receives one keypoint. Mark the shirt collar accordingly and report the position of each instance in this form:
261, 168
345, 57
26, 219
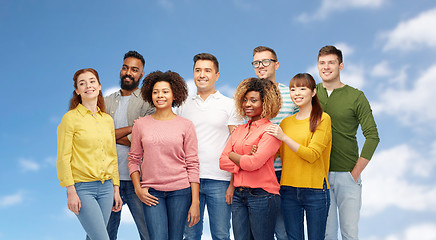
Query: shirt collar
83, 110
216, 95
258, 123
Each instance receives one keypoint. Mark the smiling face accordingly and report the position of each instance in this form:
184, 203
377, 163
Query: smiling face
266, 72
329, 68
88, 86
205, 76
252, 105
162, 95
131, 73
302, 96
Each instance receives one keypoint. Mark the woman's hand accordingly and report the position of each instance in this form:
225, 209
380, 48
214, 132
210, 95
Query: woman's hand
118, 203
229, 193
146, 197
194, 214
73, 201
276, 131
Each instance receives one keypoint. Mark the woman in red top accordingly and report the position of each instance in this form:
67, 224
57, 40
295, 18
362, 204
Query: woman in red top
256, 197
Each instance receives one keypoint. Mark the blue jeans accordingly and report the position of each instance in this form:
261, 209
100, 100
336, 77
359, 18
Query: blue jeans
346, 201
280, 230
128, 195
96, 205
254, 213
167, 219
212, 194
310, 201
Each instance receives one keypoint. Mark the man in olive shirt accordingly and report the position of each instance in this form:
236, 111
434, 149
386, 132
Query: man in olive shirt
347, 107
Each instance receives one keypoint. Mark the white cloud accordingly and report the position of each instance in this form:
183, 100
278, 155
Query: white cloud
410, 105
126, 215
167, 4
330, 6
110, 90
227, 90
424, 231
416, 33
388, 181
382, 70
192, 89
29, 165
10, 200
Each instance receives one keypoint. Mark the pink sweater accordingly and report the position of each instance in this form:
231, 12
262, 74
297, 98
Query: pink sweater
257, 170
168, 152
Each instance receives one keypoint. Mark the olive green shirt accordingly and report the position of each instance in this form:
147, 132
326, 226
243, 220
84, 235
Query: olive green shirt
348, 107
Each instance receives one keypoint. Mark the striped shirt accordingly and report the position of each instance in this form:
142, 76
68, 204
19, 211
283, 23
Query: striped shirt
288, 109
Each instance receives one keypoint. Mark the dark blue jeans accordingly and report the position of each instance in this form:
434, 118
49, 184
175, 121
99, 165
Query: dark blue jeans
167, 219
129, 197
298, 201
254, 213
212, 194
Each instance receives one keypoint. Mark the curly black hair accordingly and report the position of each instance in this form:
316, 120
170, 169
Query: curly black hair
177, 83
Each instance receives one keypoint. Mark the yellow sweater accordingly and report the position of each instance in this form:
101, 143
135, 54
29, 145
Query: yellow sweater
309, 166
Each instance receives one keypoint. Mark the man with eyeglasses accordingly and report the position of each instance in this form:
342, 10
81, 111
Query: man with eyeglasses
265, 66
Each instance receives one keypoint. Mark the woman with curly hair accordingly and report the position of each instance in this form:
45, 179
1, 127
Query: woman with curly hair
87, 159
305, 151
249, 155
163, 161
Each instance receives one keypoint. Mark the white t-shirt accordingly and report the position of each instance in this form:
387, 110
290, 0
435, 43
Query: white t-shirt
211, 119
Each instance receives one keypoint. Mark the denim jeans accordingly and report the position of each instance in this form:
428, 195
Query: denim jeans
128, 195
96, 204
212, 194
254, 213
296, 202
280, 230
346, 201
167, 219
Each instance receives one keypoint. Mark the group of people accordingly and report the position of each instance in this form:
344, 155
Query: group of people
264, 161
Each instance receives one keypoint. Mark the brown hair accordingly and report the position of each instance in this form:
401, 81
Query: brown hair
207, 56
269, 95
263, 49
76, 99
327, 50
177, 83
306, 80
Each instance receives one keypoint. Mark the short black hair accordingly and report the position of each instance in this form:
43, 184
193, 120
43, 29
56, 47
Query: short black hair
135, 54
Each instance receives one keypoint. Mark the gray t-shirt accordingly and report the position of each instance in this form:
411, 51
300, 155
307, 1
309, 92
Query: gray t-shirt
120, 121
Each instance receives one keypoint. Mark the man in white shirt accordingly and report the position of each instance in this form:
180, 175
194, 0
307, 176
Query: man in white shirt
214, 117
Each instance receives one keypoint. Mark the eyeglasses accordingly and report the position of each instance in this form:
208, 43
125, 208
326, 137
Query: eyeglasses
265, 62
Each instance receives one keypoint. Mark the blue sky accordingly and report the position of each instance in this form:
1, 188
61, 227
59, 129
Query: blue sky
389, 49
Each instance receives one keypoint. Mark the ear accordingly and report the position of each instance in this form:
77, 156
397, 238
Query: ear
341, 66
142, 74
314, 92
277, 65
217, 76
77, 92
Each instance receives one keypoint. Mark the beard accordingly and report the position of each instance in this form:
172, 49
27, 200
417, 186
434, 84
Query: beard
128, 86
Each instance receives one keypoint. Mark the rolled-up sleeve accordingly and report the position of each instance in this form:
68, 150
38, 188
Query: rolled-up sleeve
225, 163
267, 147
65, 134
